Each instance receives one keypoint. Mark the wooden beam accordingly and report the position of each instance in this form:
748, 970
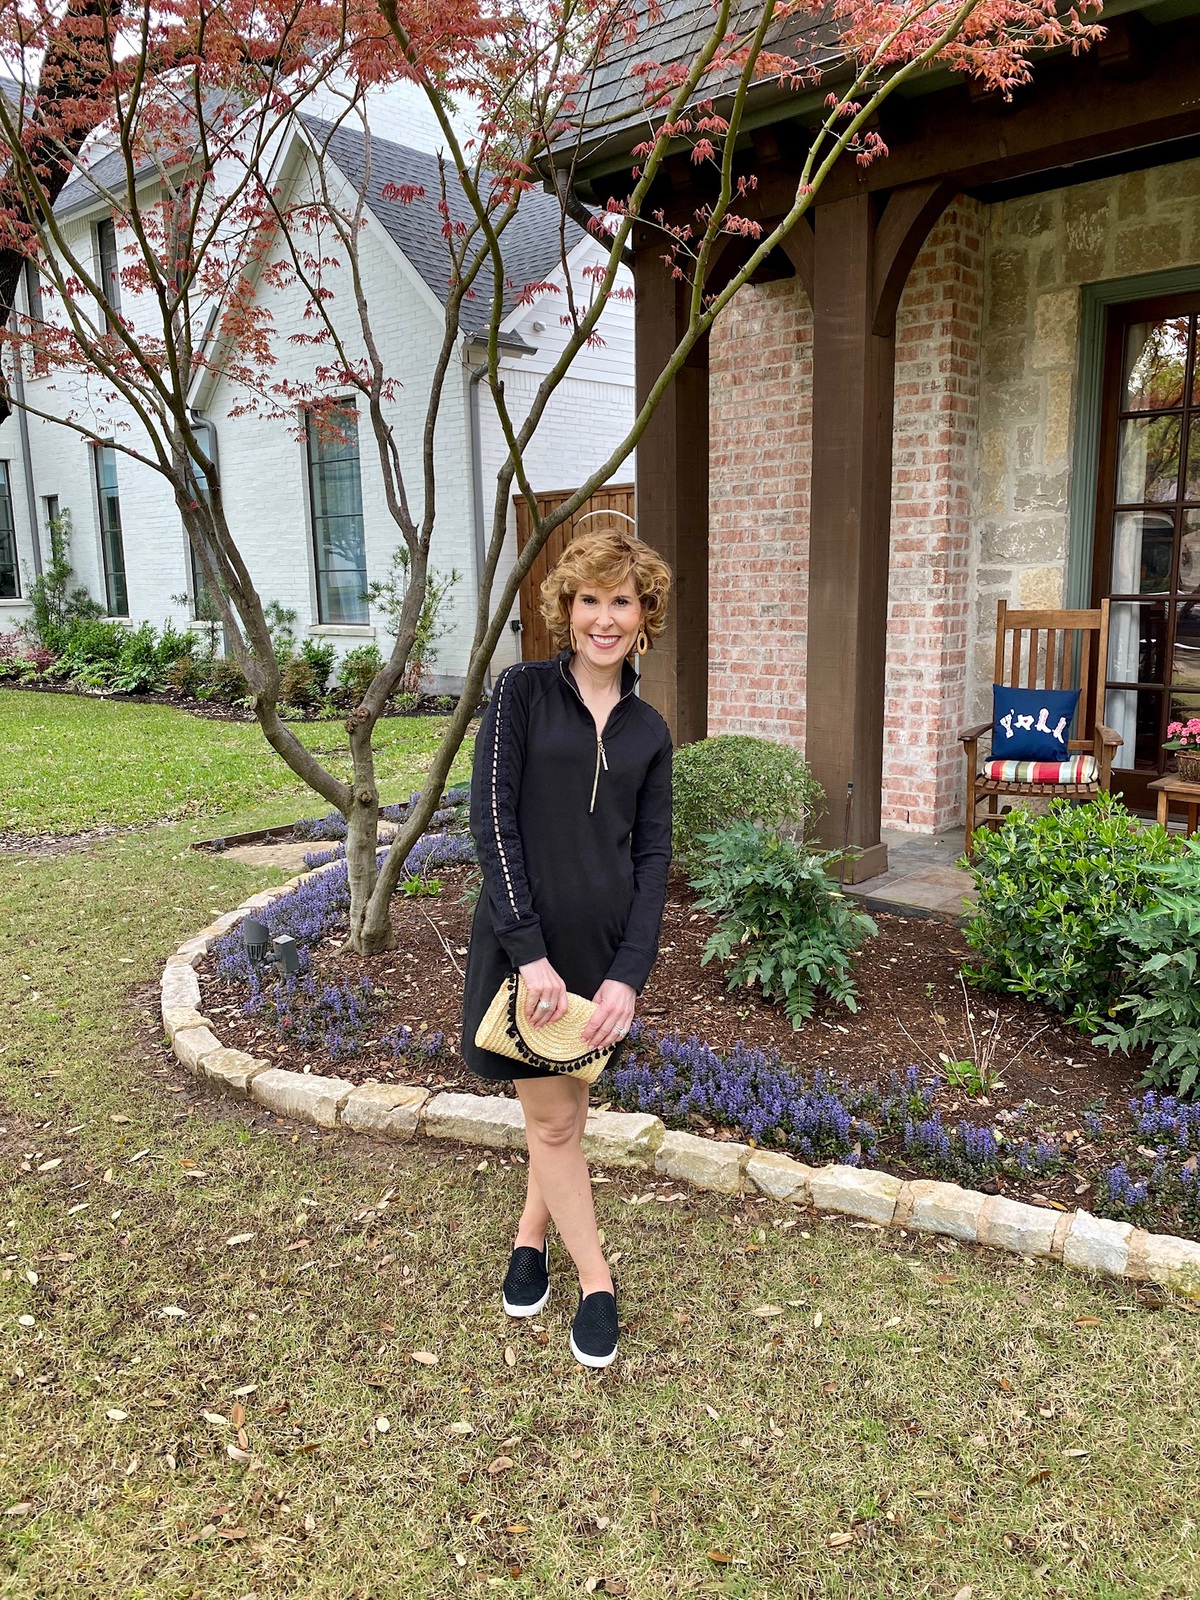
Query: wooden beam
902, 230
853, 378
672, 498
798, 246
1074, 110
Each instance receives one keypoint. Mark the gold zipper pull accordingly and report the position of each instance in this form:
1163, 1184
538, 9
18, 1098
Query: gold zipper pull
600, 756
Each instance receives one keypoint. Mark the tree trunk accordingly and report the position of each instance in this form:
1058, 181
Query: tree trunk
370, 932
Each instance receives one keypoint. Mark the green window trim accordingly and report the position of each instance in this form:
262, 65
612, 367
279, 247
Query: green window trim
1096, 298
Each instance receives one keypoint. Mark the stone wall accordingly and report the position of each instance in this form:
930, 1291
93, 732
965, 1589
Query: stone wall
1040, 251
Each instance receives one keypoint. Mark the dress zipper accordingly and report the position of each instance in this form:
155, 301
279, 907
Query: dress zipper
600, 757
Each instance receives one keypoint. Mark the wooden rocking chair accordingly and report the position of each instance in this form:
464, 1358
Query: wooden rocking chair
1047, 650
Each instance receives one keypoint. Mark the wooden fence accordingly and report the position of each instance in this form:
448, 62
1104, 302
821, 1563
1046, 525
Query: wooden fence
609, 508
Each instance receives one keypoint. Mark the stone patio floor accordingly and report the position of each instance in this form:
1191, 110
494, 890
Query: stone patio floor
922, 879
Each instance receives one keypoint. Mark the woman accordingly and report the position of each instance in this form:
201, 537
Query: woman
571, 814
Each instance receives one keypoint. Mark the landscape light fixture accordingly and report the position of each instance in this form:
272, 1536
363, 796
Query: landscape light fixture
282, 953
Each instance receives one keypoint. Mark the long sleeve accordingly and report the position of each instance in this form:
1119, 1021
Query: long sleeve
650, 848
495, 788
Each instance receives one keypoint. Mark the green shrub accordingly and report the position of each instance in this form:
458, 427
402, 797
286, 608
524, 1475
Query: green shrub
91, 651
58, 603
387, 596
1051, 891
281, 625
297, 686
187, 676
225, 681
358, 669
320, 659
1160, 1009
737, 778
136, 669
782, 919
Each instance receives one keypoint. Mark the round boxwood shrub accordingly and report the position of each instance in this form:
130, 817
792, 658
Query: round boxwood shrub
735, 777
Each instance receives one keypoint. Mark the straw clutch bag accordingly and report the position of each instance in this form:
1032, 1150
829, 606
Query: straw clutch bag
554, 1047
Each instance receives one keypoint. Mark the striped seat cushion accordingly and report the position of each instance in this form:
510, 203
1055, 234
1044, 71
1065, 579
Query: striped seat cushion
1079, 769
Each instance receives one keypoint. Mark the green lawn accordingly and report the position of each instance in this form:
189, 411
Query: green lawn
975, 1424
69, 763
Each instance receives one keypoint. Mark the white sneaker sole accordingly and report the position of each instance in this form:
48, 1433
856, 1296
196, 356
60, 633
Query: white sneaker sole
591, 1361
528, 1310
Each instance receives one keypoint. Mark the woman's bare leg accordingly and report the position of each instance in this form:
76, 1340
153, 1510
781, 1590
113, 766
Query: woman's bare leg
559, 1186
535, 1219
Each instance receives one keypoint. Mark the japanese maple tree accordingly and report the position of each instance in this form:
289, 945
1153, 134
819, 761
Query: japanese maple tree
178, 116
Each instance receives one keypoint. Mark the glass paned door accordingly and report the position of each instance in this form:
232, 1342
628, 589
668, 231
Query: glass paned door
1148, 535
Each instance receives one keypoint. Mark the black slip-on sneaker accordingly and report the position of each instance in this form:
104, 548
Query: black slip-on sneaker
594, 1331
527, 1282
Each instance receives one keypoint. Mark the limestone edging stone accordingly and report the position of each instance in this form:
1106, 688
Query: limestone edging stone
304, 1095
191, 1045
622, 1138
391, 1110
856, 1192
708, 1163
177, 1019
488, 1119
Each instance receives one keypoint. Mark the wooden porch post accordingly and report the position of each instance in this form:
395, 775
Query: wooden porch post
853, 375
672, 500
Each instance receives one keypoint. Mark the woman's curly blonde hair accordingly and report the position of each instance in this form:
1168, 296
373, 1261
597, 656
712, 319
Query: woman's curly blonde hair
605, 561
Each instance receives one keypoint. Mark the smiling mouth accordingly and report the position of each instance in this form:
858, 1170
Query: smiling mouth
604, 639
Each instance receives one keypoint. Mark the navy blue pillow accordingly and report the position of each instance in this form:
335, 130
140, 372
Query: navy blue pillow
1032, 724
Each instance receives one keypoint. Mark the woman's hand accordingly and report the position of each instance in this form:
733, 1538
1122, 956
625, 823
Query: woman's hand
612, 1017
544, 984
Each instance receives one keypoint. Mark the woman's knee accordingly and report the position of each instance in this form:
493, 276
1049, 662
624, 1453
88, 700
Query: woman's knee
556, 1130
555, 1112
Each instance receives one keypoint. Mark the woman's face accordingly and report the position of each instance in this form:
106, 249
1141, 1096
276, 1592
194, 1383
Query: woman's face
606, 623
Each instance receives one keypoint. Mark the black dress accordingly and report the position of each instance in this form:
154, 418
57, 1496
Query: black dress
573, 833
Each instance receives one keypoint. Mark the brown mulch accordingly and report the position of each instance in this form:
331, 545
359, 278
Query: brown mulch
912, 1010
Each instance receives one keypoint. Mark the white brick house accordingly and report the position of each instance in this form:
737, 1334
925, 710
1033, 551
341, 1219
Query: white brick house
270, 471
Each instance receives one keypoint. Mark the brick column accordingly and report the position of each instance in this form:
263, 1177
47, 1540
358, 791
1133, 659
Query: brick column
937, 397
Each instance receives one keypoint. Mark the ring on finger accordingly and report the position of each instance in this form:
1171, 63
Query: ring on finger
545, 1005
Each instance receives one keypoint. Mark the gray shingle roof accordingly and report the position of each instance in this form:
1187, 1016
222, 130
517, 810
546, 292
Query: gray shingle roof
105, 175
532, 241
616, 117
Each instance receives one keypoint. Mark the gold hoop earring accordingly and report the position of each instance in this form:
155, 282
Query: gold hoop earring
574, 645
643, 643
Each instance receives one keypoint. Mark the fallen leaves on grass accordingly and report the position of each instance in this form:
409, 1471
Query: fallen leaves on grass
424, 1358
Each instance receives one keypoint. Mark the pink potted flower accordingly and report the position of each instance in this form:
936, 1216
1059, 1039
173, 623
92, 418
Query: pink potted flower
1184, 739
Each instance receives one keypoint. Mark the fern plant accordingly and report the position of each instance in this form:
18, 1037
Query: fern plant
782, 921
1160, 1010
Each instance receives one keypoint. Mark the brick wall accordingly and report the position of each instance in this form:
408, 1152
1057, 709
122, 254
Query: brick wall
760, 424
761, 443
